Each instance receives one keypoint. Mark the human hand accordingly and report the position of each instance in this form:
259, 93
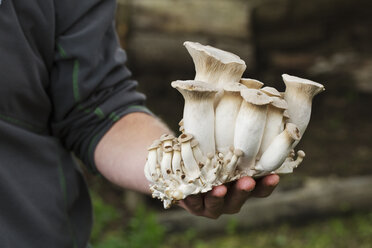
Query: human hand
229, 198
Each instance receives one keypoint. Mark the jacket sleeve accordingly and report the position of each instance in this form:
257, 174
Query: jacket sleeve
90, 85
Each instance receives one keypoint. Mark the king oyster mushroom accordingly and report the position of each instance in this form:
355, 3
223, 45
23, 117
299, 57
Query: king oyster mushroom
222, 130
198, 112
152, 162
226, 112
299, 94
278, 150
290, 164
249, 126
273, 123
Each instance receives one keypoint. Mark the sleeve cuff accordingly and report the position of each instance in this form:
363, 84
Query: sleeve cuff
103, 129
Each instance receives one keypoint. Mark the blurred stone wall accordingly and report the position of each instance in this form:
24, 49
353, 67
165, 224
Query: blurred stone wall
329, 41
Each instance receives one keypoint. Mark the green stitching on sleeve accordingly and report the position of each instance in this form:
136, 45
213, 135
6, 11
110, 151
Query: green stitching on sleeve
99, 113
21, 124
114, 117
75, 80
139, 107
85, 110
61, 51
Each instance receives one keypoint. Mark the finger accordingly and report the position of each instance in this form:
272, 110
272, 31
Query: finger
194, 204
238, 194
214, 202
266, 185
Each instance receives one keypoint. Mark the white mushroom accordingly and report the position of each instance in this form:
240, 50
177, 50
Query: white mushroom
299, 93
251, 83
285, 119
273, 124
198, 155
249, 126
215, 66
226, 112
232, 127
191, 169
176, 163
229, 170
290, 164
279, 149
152, 162
166, 163
198, 113
208, 172
167, 140
270, 91
147, 173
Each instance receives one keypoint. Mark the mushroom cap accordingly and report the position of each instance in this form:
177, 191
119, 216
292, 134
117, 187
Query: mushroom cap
221, 55
210, 155
194, 143
185, 137
197, 90
192, 85
166, 137
293, 131
238, 152
286, 114
234, 87
154, 145
181, 122
168, 149
176, 147
255, 97
251, 83
301, 153
293, 79
270, 91
279, 103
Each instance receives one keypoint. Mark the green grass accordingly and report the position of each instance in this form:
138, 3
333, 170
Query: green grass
353, 231
142, 230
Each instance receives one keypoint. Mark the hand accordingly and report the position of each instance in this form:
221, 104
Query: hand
229, 198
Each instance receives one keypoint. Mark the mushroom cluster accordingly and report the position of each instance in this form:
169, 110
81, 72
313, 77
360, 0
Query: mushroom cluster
231, 127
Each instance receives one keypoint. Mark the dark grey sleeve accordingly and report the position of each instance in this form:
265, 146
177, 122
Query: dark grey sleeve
90, 86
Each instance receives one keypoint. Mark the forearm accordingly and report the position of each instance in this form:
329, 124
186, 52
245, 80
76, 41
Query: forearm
121, 154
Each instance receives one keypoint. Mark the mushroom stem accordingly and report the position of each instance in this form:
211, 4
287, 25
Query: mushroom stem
290, 164
198, 113
299, 93
284, 120
166, 163
176, 163
147, 173
231, 166
273, 124
249, 126
279, 149
198, 155
191, 166
152, 161
226, 112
